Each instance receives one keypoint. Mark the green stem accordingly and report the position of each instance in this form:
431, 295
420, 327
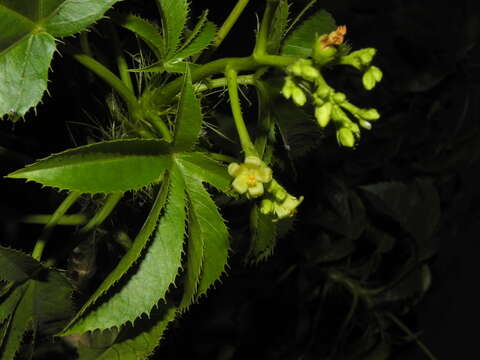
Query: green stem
262, 38
121, 62
159, 125
229, 22
407, 331
110, 78
47, 230
102, 214
165, 95
245, 141
41, 219
222, 82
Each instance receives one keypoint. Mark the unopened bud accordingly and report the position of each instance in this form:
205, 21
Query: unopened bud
323, 114
365, 124
298, 96
339, 97
345, 137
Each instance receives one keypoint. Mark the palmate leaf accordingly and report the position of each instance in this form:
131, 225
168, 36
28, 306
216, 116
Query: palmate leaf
40, 301
129, 258
27, 42
148, 282
140, 346
147, 31
174, 17
17, 266
154, 275
105, 167
301, 40
189, 117
198, 44
210, 227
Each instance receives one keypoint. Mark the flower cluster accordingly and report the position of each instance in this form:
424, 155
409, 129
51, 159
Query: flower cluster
304, 78
253, 178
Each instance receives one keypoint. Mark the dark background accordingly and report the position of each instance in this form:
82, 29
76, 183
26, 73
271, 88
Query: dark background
429, 53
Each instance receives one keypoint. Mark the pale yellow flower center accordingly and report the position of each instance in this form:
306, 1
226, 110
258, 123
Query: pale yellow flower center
251, 179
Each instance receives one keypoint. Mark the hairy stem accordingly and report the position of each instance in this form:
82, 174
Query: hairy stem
48, 228
262, 38
110, 78
245, 141
165, 95
102, 214
229, 22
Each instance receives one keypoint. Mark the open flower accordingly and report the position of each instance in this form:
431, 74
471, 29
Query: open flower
250, 176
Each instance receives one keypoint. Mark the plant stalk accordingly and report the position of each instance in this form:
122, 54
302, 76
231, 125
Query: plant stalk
50, 225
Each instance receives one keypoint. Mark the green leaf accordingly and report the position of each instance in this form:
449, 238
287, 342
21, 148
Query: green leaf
194, 261
263, 236
72, 16
27, 44
138, 347
201, 167
130, 257
17, 266
44, 305
201, 42
144, 30
209, 225
189, 118
301, 40
24, 72
156, 272
278, 26
105, 167
174, 16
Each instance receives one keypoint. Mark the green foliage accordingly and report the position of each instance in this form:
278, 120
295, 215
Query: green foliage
300, 41
38, 301
263, 237
106, 167
145, 30
360, 244
174, 17
27, 43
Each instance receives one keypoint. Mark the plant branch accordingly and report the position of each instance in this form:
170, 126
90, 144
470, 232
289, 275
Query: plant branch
56, 216
102, 214
229, 22
42, 219
110, 78
245, 141
262, 38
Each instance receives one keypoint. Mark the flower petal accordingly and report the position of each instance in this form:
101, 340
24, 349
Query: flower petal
240, 184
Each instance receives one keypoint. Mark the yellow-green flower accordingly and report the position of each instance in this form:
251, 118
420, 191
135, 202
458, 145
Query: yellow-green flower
250, 176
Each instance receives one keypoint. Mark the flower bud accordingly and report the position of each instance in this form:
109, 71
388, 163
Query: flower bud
323, 91
267, 206
371, 77
323, 114
345, 137
310, 73
298, 96
323, 54
288, 87
369, 114
365, 124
